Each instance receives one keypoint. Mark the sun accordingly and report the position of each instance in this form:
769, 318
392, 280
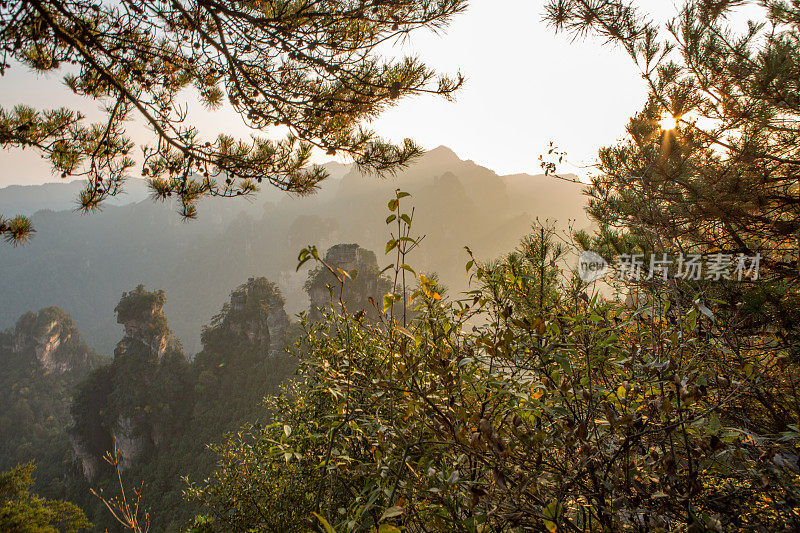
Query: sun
668, 122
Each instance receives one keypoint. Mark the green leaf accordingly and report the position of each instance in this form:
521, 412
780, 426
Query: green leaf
405, 218
391, 245
706, 311
407, 267
305, 255
391, 219
401, 194
325, 524
388, 300
393, 205
552, 510
301, 263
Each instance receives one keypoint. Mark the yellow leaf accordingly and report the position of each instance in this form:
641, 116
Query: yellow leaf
405, 332
325, 524
431, 294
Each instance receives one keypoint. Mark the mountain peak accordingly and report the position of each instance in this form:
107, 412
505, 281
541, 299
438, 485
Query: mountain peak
442, 152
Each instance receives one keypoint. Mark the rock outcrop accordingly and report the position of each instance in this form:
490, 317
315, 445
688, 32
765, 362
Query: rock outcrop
130, 401
89, 463
141, 313
147, 397
358, 289
50, 336
257, 311
43, 358
131, 442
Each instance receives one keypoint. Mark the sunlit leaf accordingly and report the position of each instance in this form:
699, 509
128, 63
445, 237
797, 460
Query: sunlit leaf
391, 512
408, 268
325, 524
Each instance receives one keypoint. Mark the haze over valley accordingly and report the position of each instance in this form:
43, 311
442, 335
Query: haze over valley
79, 263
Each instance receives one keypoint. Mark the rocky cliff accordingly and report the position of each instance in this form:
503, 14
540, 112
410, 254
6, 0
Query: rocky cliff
138, 395
42, 359
365, 284
50, 336
256, 311
141, 313
147, 397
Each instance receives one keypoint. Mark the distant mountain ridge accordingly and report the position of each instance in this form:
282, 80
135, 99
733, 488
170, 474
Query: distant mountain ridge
28, 199
62, 196
84, 263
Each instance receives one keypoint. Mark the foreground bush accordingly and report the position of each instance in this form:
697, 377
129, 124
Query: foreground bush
526, 405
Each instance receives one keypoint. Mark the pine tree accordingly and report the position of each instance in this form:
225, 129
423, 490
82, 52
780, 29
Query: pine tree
310, 69
711, 163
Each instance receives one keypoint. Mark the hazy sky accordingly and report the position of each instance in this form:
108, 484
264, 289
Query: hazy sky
526, 86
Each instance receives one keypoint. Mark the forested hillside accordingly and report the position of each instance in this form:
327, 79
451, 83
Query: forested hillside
156, 408
66, 407
162, 411
43, 359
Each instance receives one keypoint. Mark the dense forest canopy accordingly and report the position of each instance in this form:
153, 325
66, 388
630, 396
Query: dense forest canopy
22, 510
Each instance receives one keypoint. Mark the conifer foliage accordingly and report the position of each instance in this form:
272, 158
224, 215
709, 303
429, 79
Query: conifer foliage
711, 163
309, 69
